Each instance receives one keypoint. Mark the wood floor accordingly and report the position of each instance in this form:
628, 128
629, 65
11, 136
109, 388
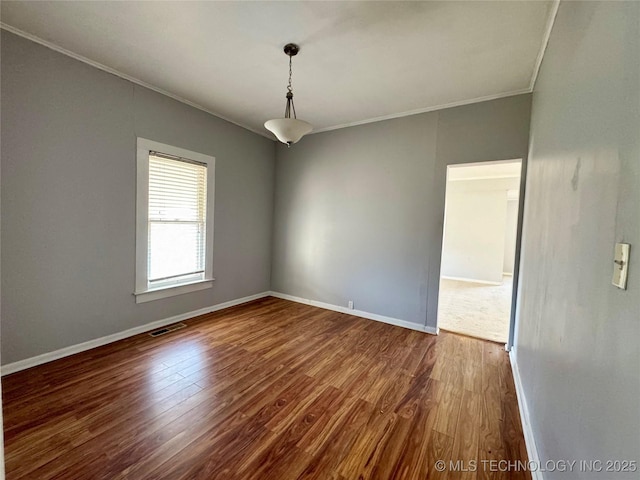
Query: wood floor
267, 390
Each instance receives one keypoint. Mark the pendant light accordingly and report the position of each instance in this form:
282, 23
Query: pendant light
289, 130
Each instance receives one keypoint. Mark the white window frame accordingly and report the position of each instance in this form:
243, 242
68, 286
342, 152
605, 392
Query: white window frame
142, 291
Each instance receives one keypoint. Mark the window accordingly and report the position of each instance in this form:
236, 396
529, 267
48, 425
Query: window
174, 231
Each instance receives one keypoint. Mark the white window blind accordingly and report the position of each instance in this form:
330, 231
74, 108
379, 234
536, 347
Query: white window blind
177, 220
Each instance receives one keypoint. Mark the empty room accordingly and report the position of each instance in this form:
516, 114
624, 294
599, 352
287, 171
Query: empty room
320, 240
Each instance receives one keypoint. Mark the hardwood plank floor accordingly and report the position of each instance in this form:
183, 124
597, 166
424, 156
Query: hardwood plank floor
267, 390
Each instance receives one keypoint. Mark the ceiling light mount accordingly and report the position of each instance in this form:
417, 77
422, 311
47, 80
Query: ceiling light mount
289, 130
291, 49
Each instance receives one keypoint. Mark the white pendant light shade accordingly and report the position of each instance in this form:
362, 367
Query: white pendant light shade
288, 130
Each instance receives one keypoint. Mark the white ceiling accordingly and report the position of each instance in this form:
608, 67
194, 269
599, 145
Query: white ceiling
359, 61
485, 170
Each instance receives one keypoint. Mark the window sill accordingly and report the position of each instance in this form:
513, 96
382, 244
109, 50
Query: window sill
170, 291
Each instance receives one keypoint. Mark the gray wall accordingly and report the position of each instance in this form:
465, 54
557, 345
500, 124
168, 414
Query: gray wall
359, 211
68, 200
577, 347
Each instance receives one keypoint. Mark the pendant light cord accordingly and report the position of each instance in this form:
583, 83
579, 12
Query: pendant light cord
289, 87
290, 106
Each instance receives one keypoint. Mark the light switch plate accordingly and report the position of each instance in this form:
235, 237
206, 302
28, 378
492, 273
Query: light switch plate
620, 265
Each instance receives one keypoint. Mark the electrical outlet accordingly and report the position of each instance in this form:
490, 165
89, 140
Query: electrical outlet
350, 305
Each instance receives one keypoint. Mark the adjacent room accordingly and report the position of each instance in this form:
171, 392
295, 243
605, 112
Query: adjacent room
319, 240
479, 249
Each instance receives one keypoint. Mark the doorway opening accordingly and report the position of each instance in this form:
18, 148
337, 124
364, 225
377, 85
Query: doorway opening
479, 249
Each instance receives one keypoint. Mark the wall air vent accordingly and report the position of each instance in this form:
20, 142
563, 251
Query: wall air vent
170, 328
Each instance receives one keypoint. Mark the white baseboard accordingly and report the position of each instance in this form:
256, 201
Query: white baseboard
529, 439
471, 280
358, 313
98, 342
507, 274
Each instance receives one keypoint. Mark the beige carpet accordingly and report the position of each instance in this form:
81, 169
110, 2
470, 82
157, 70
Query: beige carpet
475, 309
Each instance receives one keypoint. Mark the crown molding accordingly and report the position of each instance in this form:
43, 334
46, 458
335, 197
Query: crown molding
538, 63
124, 76
418, 111
545, 41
